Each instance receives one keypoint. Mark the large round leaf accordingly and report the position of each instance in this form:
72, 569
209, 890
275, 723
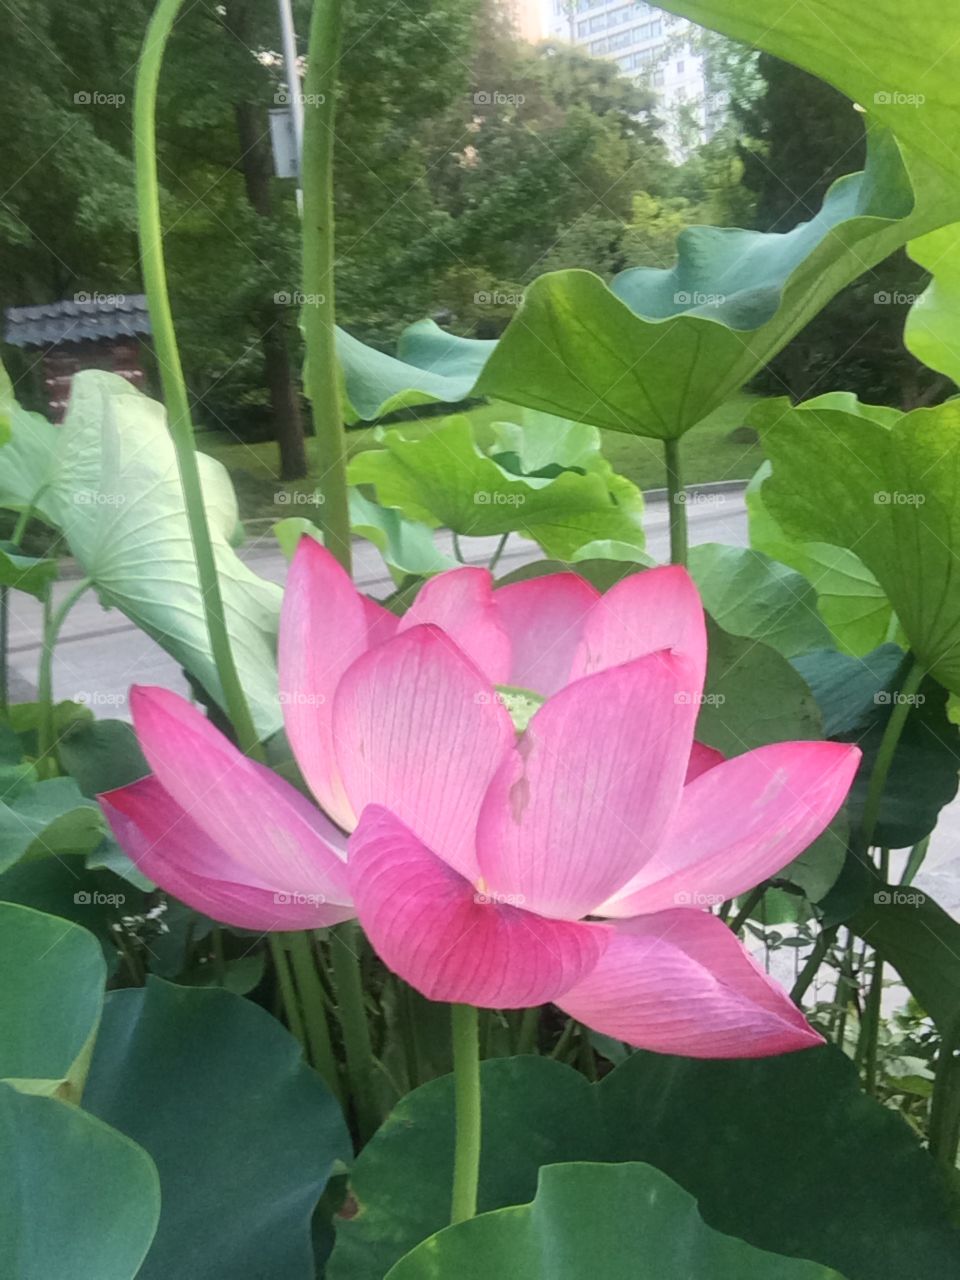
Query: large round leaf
79, 1199
657, 352
50, 996
244, 1134
618, 1221
892, 494
785, 1153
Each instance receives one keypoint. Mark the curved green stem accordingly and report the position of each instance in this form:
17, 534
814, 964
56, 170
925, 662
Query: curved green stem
529, 1030
361, 1064
677, 498
171, 373
466, 1077
319, 305
288, 994
53, 620
944, 1127
885, 754
498, 552
813, 963
752, 901
316, 1028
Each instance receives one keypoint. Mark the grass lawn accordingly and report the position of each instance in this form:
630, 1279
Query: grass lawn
708, 454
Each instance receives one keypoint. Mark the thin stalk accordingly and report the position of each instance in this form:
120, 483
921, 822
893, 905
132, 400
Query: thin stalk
529, 1028
753, 899
944, 1127
457, 549
566, 1035
466, 1078
317, 1030
53, 620
885, 754
915, 860
171, 373
495, 558
813, 963
288, 994
216, 948
352, 1014
319, 311
677, 498
869, 1039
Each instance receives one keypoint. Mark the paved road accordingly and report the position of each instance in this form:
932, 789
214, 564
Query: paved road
101, 654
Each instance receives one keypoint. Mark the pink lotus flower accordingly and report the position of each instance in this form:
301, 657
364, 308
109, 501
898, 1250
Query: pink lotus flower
570, 863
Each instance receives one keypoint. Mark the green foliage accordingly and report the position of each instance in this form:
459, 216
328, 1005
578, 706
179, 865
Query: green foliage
894, 500
256, 1137
627, 1221
875, 1208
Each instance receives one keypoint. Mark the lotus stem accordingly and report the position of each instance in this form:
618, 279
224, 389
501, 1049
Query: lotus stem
319, 309
677, 498
316, 1028
885, 754
351, 1011
53, 620
171, 372
465, 1030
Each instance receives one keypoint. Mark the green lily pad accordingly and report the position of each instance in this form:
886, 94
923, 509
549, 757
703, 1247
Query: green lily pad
850, 601
661, 349
834, 1177
892, 494
753, 596
878, 54
444, 479
622, 1222
79, 1199
256, 1137
932, 330
25, 573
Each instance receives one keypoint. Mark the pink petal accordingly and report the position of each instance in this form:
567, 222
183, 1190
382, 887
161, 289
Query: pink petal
271, 834
544, 618
680, 982
701, 759
651, 610
429, 925
420, 731
323, 629
583, 800
381, 623
460, 602
741, 822
168, 846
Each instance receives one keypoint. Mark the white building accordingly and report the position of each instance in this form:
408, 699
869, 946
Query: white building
650, 46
